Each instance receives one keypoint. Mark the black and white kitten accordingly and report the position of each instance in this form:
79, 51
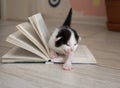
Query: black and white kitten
64, 40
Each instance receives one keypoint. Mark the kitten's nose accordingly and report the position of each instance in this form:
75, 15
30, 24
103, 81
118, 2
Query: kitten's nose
68, 52
71, 49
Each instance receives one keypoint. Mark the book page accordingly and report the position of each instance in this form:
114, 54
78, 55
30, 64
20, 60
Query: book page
17, 54
27, 29
20, 40
32, 21
81, 55
40, 28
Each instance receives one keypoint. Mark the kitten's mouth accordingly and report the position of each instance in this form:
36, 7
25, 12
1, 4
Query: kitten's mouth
67, 52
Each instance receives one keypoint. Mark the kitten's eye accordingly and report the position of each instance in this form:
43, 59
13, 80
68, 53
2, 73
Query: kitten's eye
75, 44
67, 44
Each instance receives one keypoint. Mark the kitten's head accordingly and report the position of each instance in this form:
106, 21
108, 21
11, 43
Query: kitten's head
67, 40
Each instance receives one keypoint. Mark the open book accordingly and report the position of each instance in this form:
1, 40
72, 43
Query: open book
31, 41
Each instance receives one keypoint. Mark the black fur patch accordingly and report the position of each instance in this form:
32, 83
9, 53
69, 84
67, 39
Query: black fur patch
68, 19
76, 34
65, 34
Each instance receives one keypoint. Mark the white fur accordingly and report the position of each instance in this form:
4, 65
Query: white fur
61, 49
67, 50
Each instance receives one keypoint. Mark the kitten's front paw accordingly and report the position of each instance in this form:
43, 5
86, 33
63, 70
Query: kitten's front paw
67, 66
53, 55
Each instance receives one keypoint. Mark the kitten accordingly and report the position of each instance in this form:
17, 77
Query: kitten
64, 40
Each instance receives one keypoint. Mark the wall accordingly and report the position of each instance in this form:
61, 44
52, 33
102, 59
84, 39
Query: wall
89, 7
18, 9
86, 7
84, 11
0, 9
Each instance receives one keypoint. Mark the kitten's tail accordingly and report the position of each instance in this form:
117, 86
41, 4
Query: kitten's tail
68, 18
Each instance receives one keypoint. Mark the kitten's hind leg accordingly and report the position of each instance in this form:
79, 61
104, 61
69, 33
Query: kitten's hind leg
53, 54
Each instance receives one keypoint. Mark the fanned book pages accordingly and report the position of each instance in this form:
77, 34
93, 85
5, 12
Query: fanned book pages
31, 41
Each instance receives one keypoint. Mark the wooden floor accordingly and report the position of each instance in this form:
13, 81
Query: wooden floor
104, 44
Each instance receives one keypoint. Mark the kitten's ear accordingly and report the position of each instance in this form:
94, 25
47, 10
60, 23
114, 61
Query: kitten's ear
78, 36
79, 39
68, 19
58, 38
